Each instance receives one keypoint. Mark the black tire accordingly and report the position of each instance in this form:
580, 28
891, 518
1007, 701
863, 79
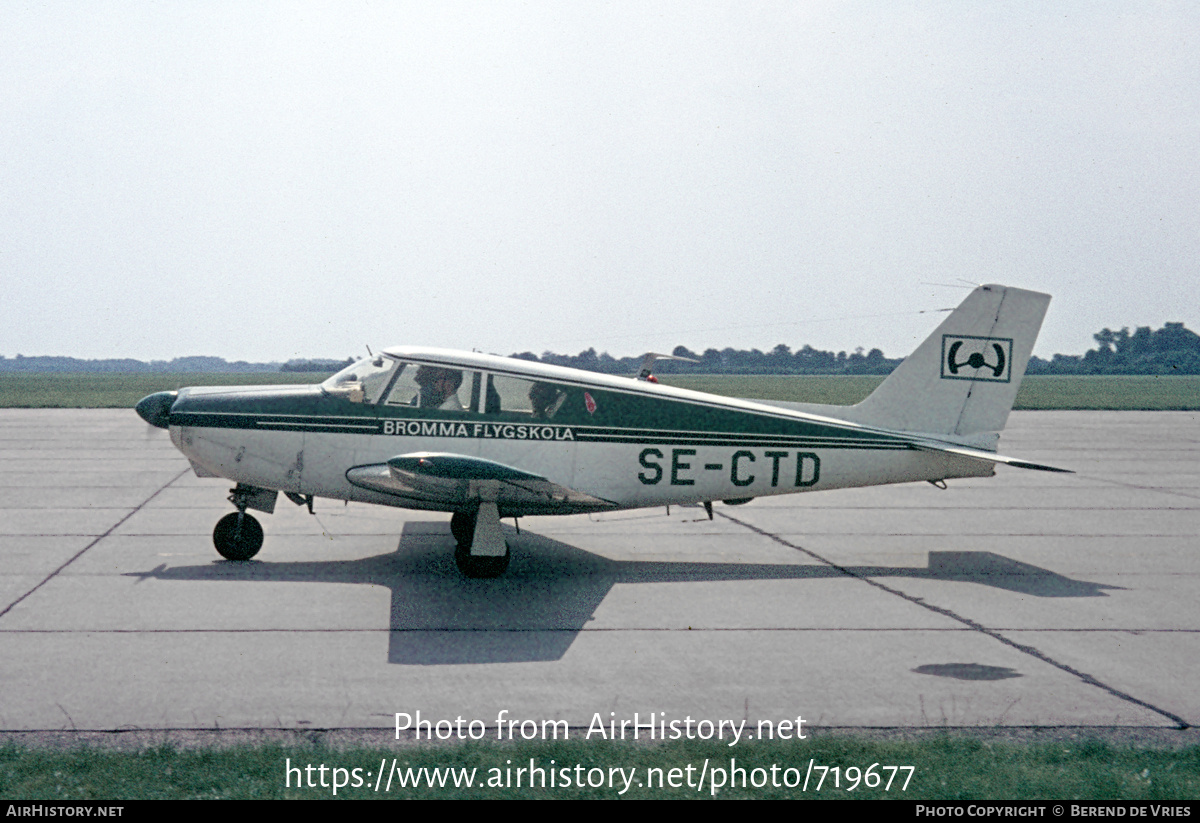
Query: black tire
479, 567
237, 536
462, 526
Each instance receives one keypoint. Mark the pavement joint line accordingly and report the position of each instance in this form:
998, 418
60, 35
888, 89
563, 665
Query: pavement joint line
81, 552
1140, 736
432, 630
966, 621
445, 630
1161, 490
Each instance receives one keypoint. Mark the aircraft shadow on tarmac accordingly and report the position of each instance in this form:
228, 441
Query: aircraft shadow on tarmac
552, 589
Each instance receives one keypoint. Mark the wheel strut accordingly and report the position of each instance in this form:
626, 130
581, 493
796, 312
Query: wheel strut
238, 536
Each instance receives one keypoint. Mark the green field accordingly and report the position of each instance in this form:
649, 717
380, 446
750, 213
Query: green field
121, 391
107, 391
943, 768
1116, 392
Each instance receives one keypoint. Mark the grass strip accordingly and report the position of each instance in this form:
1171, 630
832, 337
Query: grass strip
121, 391
945, 768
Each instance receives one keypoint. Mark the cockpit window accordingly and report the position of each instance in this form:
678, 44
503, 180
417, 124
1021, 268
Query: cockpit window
434, 387
364, 381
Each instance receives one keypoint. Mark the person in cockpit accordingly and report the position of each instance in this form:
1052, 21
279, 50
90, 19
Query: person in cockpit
438, 388
544, 399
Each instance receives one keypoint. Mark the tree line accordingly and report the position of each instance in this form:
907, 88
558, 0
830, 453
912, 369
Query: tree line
1172, 349
779, 360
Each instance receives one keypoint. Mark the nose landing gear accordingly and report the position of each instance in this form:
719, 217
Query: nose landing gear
238, 536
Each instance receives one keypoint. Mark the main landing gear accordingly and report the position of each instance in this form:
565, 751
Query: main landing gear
238, 536
466, 528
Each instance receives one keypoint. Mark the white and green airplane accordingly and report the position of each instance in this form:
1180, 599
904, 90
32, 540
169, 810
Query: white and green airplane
485, 437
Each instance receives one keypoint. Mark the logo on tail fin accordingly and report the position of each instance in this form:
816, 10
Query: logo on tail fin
976, 358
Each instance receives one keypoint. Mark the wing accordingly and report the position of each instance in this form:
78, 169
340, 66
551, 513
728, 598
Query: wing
452, 482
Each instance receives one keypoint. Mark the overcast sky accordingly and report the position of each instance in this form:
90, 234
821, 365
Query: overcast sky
265, 181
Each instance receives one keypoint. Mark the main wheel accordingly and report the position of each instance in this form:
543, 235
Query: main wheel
479, 566
238, 536
462, 526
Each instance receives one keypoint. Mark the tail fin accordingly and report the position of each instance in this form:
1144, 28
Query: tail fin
964, 377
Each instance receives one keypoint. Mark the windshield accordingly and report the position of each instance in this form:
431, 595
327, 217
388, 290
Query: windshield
364, 381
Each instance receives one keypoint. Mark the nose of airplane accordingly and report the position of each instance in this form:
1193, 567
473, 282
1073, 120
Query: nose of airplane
155, 409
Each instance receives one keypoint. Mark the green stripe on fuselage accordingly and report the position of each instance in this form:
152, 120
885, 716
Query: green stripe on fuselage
618, 417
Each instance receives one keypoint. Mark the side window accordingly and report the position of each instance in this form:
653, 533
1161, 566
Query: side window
434, 387
513, 395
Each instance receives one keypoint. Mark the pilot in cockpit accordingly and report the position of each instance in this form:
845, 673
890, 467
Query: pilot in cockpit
438, 388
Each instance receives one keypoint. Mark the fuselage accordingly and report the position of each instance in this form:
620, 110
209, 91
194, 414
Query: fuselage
623, 442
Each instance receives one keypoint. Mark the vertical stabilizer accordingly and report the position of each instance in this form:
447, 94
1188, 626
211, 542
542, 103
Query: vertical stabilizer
963, 379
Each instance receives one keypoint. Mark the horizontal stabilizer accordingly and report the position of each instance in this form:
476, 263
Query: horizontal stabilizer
980, 454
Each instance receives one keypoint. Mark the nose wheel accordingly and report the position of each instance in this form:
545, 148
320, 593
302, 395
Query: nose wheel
238, 536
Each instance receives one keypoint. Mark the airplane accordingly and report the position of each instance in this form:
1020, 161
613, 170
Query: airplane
484, 437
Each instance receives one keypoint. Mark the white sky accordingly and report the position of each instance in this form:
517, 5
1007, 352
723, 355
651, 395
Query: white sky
265, 181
